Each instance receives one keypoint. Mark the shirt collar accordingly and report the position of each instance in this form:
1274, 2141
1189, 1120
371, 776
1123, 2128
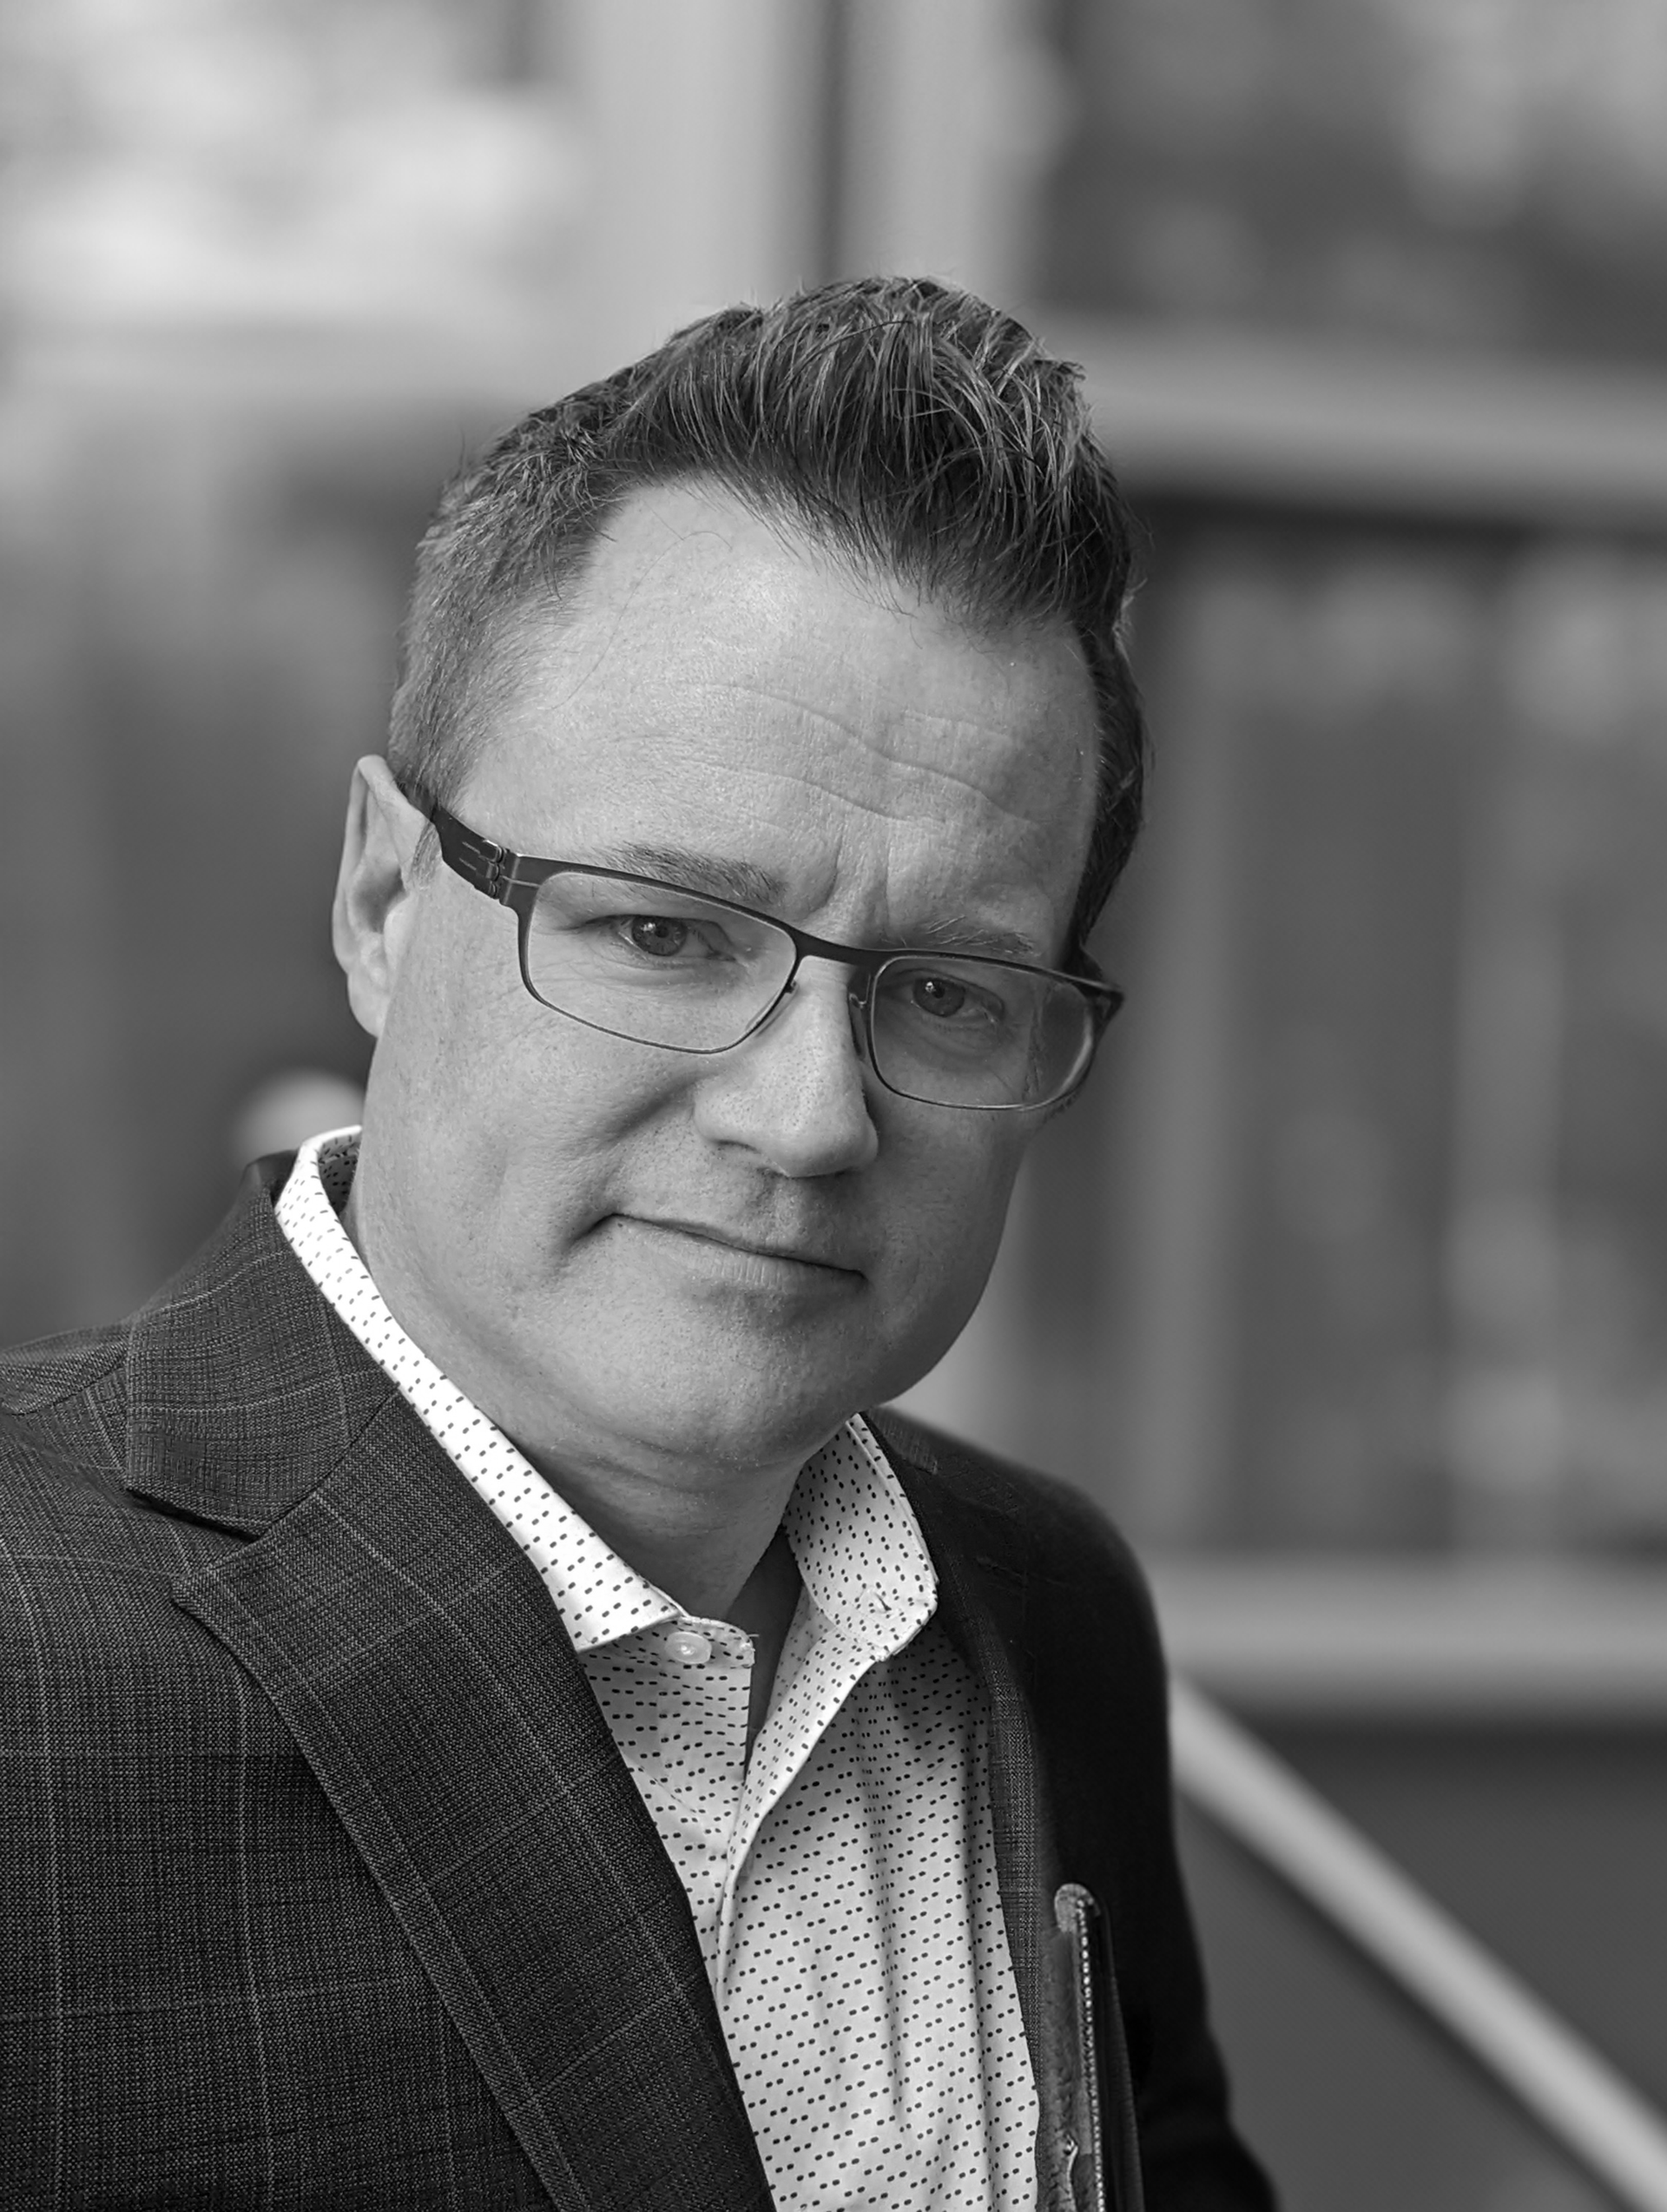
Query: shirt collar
860, 1553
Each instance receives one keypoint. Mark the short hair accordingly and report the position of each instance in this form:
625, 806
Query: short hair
905, 426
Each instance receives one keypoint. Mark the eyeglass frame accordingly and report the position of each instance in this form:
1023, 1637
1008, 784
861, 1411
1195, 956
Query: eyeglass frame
513, 880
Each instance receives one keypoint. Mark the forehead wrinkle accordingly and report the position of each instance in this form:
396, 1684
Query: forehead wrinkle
764, 689
921, 761
918, 773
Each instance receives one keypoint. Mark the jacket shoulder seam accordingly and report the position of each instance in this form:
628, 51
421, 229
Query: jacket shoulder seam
28, 1384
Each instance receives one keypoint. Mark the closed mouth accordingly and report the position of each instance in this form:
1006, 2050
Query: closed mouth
793, 1255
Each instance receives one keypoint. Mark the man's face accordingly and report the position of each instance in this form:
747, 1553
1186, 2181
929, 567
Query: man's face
629, 1255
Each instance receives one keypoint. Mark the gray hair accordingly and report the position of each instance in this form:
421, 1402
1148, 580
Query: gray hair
903, 427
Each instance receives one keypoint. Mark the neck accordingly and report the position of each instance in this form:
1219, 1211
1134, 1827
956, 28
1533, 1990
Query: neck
719, 1555
706, 1548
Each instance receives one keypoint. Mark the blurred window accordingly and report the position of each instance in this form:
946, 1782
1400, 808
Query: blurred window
1459, 172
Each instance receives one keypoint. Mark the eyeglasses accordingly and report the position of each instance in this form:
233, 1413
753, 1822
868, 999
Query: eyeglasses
661, 965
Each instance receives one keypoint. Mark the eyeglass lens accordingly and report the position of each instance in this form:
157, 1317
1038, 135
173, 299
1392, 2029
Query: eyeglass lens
658, 965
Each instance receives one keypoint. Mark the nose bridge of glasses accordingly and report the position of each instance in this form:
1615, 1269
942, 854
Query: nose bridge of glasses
859, 970
859, 964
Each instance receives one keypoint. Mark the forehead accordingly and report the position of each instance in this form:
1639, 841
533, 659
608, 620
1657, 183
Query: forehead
716, 681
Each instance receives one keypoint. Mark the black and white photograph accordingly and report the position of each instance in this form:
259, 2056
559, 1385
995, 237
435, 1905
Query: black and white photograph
834, 1106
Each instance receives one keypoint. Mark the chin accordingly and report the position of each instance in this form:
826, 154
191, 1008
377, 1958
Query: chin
741, 1419
682, 1375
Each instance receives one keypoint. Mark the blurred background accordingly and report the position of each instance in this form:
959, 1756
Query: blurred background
1345, 1286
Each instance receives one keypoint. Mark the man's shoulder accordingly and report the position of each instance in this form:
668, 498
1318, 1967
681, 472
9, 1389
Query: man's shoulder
63, 1436
86, 1613
62, 1414
52, 1370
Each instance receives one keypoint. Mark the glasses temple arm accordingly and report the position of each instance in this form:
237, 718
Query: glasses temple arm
476, 859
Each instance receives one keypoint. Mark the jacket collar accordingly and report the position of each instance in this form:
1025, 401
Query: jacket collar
244, 1390
413, 1654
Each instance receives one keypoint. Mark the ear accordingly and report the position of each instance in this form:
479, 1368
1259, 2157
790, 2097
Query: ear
375, 890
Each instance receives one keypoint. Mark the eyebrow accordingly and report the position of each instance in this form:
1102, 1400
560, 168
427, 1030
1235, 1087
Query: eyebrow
747, 885
739, 881
954, 935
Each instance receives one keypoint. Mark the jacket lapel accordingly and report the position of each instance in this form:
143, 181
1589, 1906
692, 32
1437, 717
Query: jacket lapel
984, 1595
415, 1657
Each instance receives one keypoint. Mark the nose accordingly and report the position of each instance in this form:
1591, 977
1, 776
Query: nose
796, 1092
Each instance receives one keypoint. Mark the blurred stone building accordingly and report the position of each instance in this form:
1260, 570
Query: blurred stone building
1360, 1238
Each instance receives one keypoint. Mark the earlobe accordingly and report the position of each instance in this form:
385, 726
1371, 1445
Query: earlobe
372, 914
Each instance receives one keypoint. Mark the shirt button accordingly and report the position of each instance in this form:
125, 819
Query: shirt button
689, 1647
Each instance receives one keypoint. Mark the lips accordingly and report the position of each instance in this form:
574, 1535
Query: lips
805, 1254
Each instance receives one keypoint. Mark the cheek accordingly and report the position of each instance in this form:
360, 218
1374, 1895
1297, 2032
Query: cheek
950, 1201
457, 981
946, 1214
516, 1121
471, 1047
448, 1077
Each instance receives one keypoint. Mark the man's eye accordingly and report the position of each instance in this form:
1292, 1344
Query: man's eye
937, 995
946, 999
671, 938
657, 935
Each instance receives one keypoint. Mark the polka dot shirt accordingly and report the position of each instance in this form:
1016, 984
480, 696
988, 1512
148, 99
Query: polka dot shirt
842, 1880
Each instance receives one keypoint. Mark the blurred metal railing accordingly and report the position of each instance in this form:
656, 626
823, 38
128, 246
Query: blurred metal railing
1575, 2095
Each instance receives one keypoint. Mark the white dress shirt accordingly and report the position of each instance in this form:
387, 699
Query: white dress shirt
842, 1880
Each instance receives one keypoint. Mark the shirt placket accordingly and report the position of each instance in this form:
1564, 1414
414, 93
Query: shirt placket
676, 1698
821, 1665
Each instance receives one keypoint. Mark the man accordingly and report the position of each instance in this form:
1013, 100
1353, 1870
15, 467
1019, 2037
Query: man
488, 1722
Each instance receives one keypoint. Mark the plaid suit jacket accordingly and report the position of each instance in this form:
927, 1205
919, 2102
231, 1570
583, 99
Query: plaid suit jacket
324, 1883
